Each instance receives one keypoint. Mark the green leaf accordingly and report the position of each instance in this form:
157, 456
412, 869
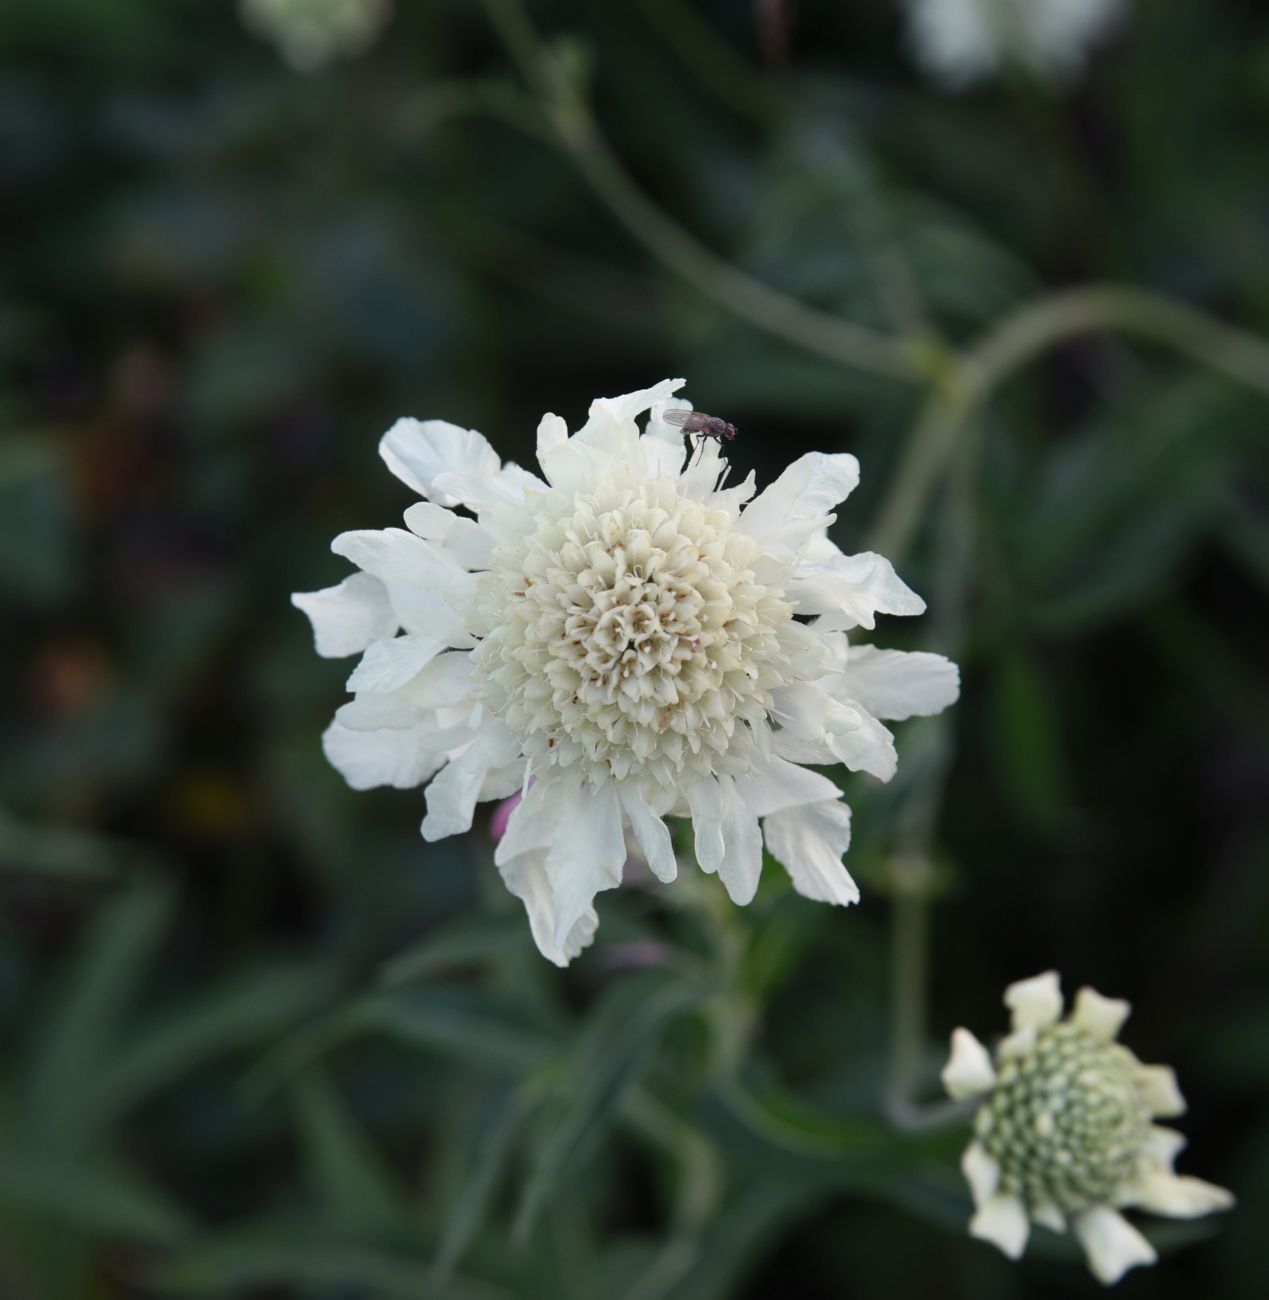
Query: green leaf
608, 1057
91, 1197
61, 851
230, 1017
470, 1025
104, 972
462, 944
284, 1255
342, 1162
484, 1151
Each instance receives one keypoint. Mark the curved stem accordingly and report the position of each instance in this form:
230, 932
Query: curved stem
750, 299
926, 452
1058, 317
1031, 331
807, 327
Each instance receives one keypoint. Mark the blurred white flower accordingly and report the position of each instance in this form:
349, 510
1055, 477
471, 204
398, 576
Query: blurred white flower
1065, 1135
622, 641
959, 42
312, 33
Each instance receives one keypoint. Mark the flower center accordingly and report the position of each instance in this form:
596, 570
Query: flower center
628, 634
1067, 1121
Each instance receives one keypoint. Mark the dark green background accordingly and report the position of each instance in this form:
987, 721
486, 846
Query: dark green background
219, 283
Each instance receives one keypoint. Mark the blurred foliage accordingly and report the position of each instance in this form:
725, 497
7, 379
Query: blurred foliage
259, 1040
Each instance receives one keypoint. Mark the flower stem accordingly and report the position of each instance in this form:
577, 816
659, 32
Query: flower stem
815, 331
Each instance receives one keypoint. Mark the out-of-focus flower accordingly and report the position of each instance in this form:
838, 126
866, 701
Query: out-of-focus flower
1065, 1135
959, 42
624, 641
312, 33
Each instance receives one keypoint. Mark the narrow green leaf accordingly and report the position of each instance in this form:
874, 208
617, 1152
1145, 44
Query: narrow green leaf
230, 1017
91, 1197
277, 1256
343, 1164
78, 1028
462, 944
607, 1058
469, 1025
488, 1143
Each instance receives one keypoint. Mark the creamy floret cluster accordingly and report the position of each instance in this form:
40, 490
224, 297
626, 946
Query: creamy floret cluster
624, 640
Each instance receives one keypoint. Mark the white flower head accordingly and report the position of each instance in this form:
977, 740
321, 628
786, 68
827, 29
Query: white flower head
311, 33
623, 640
1065, 1135
959, 42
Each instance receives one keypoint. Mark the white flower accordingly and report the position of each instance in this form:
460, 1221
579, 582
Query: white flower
624, 642
1065, 1135
312, 33
963, 41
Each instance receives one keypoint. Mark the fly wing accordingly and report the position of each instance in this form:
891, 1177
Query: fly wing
678, 417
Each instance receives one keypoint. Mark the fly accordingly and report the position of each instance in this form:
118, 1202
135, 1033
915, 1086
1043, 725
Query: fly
702, 426
697, 422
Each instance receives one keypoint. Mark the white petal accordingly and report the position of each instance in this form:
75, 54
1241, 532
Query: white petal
969, 1070
388, 665
486, 494
663, 446
1163, 1145
774, 784
852, 735
800, 501
1179, 1196
534, 821
741, 865
463, 539
420, 578
808, 841
618, 410
348, 617
848, 590
1112, 1244
652, 834
609, 437
1162, 1094
452, 794
894, 684
444, 683
1035, 1003
730, 499
705, 800
1019, 1043
419, 451
1099, 1016
1048, 1216
525, 877
981, 1172
552, 433
1002, 1220
447, 680
587, 855
402, 756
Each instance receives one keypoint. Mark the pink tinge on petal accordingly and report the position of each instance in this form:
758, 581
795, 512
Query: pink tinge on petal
502, 815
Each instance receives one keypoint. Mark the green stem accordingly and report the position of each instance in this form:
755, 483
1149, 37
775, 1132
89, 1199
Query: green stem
768, 309
815, 331
909, 971
973, 376
1058, 317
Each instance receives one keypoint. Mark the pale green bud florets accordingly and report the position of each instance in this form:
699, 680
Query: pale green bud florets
1067, 1120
